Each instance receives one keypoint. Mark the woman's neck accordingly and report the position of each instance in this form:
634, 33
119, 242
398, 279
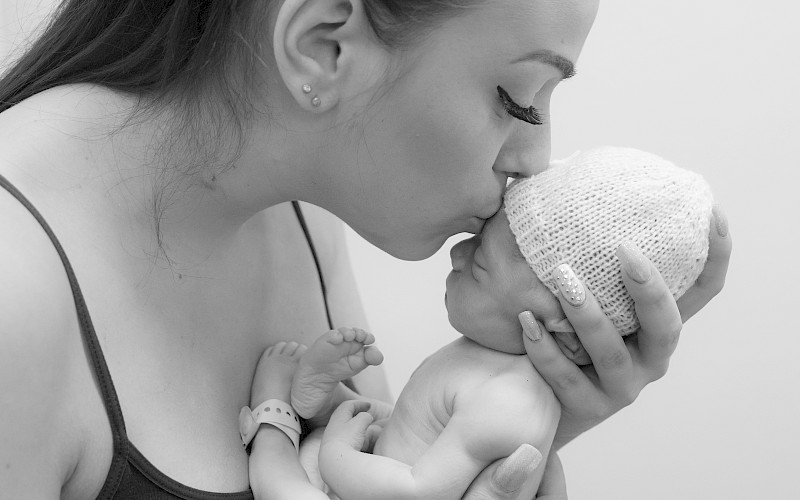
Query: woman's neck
189, 200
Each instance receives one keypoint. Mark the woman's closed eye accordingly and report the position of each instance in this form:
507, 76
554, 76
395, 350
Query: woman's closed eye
530, 114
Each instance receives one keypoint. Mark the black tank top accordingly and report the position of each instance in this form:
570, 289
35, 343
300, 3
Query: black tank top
131, 475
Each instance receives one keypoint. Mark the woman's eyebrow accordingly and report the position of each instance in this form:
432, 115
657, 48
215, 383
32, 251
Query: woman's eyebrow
561, 63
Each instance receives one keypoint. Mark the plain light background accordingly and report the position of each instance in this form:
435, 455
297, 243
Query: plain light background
711, 85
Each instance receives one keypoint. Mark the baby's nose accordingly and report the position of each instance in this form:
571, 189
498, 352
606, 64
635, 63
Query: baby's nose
461, 251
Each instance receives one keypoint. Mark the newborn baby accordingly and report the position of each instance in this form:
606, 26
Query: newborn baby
478, 398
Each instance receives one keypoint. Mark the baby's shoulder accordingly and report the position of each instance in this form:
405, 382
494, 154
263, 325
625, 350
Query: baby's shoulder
507, 407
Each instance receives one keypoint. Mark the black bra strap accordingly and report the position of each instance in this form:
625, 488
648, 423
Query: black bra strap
101, 372
303, 224
302, 220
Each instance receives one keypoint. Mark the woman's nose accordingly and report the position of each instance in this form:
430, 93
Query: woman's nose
459, 254
526, 153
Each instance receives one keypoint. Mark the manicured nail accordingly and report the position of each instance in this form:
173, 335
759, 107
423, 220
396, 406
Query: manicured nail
569, 285
529, 326
517, 468
720, 221
634, 263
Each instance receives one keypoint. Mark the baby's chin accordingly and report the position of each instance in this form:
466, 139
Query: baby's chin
572, 348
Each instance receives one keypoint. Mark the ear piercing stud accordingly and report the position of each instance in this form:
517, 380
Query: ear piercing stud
315, 101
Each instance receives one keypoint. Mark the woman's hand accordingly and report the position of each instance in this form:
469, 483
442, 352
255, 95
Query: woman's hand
622, 367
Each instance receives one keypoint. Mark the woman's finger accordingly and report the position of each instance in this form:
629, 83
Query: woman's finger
504, 479
610, 356
583, 403
569, 383
712, 279
554, 483
656, 310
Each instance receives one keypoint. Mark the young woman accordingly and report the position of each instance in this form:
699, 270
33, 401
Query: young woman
161, 144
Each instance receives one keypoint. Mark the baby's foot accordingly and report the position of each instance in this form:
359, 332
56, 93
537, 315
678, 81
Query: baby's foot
273, 377
335, 356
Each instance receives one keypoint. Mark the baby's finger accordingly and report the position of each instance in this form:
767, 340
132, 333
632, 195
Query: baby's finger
656, 309
348, 410
361, 422
712, 279
373, 432
610, 355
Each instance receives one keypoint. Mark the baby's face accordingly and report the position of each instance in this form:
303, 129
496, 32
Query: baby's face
491, 283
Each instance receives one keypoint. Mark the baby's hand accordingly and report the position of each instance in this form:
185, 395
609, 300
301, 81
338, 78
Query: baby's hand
349, 426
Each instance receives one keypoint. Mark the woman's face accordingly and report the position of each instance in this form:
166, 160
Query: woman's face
490, 284
438, 144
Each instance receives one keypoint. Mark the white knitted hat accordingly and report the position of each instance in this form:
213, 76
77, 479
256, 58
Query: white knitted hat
581, 209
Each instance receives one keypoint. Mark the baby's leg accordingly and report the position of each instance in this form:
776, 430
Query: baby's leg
336, 356
275, 470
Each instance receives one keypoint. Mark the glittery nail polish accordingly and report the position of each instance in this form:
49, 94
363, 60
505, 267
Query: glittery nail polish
634, 263
570, 287
720, 221
529, 326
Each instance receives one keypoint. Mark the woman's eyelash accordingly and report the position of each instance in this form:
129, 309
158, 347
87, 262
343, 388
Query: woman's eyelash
529, 114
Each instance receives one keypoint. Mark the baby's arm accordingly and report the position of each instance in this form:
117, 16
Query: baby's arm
488, 422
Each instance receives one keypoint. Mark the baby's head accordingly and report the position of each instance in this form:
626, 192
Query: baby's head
578, 212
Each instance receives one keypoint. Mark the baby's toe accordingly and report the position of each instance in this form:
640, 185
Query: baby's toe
335, 337
276, 348
361, 335
348, 334
290, 348
373, 355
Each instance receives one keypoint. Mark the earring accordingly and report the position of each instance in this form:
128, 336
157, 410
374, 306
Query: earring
315, 101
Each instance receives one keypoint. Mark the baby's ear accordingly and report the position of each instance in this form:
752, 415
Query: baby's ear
571, 346
559, 325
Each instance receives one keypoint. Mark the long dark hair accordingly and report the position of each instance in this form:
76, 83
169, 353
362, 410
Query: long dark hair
143, 47
156, 48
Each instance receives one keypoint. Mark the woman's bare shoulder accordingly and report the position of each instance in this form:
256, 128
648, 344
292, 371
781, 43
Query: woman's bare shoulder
35, 289
37, 353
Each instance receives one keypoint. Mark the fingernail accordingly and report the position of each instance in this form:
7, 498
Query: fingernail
529, 326
569, 285
720, 221
634, 263
512, 473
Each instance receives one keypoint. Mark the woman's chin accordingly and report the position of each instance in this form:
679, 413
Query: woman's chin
408, 248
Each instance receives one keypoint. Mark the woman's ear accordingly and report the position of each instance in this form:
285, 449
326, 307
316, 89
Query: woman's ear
316, 44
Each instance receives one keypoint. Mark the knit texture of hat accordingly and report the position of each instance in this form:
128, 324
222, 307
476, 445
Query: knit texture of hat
579, 211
